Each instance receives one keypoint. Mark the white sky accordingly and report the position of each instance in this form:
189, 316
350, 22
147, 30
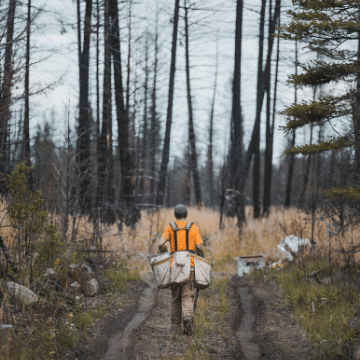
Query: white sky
60, 64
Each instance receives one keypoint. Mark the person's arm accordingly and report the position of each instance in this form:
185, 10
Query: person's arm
162, 247
199, 250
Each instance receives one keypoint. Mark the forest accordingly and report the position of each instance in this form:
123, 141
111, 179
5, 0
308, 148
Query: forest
113, 111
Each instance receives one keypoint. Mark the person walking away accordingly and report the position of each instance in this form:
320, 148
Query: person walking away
178, 233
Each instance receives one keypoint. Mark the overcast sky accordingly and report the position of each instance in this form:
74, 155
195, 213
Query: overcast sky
212, 27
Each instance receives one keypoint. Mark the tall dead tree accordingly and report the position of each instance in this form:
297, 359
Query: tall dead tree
5, 99
193, 155
270, 126
145, 137
129, 213
210, 163
236, 150
105, 196
153, 121
260, 84
250, 149
26, 130
166, 147
291, 157
84, 127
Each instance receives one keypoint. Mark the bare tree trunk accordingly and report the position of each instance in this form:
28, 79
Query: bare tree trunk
250, 149
84, 127
270, 127
210, 163
260, 84
105, 140
291, 156
6, 98
27, 94
236, 155
193, 155
97, 71
144, 142
166, 148
129, 212
153, 127
356, 118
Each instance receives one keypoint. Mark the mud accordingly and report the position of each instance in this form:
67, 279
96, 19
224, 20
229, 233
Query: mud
258, 325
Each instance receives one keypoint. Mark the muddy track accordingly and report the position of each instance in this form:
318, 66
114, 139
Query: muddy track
259, 325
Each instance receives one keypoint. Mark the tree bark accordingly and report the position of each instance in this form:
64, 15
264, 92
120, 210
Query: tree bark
84, 127
6, 98
166, 147
192, 143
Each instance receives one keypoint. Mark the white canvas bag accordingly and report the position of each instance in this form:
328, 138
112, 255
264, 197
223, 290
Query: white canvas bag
160, 265
203, 270
180, 270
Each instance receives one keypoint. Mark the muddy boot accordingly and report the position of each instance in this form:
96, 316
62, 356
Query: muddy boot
188, 326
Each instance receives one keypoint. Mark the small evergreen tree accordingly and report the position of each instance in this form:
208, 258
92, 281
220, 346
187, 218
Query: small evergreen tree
331, 29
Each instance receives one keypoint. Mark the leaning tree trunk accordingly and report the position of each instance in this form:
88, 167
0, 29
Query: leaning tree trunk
236, 150
6, 98
166, 147
260, 84
193, 155
291, 156
84, 127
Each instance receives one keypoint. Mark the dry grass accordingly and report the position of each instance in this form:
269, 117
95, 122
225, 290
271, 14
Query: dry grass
259, 236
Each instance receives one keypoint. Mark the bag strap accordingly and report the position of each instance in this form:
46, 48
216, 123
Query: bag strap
175, 229
187, 229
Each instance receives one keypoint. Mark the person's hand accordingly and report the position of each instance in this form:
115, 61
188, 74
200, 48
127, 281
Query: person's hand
199, 251
162, 248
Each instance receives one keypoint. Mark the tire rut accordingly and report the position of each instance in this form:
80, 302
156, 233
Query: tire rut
119, 346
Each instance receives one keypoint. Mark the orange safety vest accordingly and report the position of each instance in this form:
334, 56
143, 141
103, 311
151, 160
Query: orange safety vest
183, 236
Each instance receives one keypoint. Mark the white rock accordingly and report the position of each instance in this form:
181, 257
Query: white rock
20, 293
292, 244
87, 269
50, 273
91, 287
75, 285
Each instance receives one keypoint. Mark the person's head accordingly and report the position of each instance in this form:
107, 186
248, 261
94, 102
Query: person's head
180, 211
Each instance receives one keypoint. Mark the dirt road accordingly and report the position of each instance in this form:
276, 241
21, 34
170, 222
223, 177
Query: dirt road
257, 325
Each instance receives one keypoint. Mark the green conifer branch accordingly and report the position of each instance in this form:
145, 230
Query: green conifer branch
333, 145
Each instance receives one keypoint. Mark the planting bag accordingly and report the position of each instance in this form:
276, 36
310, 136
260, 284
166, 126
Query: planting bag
180, 270
203, 269
160, 265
